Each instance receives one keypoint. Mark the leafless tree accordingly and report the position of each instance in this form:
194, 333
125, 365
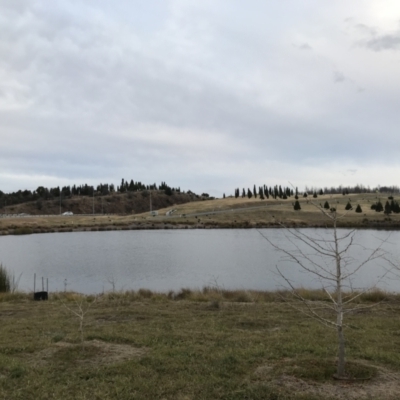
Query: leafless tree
327, 259
80, 309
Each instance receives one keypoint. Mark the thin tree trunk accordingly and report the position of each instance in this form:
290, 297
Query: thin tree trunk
341, 353
339, 309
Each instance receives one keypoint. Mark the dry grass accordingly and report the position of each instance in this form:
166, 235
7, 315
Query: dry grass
239, 213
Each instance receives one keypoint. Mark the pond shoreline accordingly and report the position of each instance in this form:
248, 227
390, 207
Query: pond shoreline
28, 230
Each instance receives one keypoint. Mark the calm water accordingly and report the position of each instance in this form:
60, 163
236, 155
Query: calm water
166, 260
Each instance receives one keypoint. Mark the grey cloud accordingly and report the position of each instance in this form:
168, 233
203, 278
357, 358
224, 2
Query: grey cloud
303, 46
338, 77
85, 97
384, 42
366, 29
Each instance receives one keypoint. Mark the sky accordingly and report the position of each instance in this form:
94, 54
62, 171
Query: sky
206, 95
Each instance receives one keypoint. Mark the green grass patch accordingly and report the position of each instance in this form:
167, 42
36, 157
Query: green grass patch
322, 370
149, 345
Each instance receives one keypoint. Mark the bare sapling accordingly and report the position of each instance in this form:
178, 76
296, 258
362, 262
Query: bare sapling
326, 258
80, 309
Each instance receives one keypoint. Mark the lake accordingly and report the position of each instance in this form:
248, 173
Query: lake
163, 260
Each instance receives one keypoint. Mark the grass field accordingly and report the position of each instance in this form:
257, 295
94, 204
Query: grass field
191, 345
219, 213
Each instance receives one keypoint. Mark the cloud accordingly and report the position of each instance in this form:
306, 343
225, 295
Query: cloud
384, 42
303, 46
188, 92
338, 77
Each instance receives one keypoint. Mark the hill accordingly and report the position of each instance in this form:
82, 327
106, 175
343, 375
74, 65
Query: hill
183, 211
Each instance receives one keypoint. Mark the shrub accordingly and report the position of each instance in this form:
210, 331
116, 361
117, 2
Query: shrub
23, 231
8, 283
5, 280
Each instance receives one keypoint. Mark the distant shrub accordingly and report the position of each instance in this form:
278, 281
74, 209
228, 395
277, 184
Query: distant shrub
23, 231
145, 293
5, 280
8, 282
183, 294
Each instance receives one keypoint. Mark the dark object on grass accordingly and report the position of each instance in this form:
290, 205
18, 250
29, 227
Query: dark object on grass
40, 296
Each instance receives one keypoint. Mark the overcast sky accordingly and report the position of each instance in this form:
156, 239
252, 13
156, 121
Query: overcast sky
208, 95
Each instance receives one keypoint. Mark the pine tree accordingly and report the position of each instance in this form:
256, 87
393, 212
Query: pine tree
348, 206
379, 206
326, 205
358, 209
297, 206
387, 208
249, 194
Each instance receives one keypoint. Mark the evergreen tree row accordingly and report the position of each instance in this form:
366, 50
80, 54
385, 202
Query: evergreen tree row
392, 207
265, 192
44, 193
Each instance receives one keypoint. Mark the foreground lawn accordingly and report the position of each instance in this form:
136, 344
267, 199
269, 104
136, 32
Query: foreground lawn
205, 345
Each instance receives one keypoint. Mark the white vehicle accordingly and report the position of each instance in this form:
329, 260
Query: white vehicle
68, 213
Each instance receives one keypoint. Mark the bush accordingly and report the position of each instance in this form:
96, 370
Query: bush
8, 283
5, 280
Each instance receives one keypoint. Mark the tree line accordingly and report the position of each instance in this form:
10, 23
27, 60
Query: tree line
278, 191
103, 189
265, 192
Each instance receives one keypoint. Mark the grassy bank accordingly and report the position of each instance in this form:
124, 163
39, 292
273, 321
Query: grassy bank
218, 213
209, 344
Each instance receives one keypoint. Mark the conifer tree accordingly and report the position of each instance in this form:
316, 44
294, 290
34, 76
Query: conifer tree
358, 209
348, 206
387, 208
297, 206
379, 206
326, 205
